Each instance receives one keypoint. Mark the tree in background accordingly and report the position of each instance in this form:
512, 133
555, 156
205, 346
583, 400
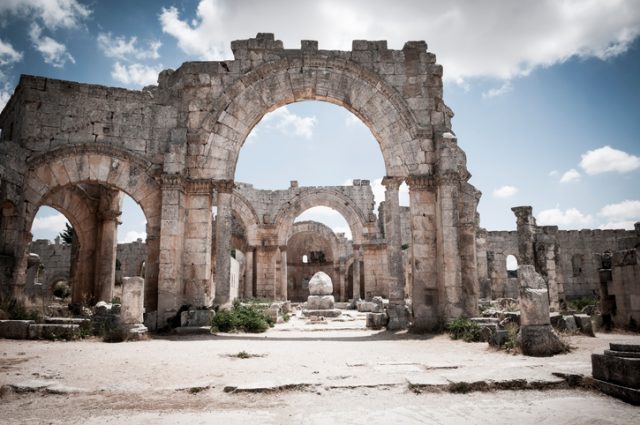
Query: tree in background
68, 234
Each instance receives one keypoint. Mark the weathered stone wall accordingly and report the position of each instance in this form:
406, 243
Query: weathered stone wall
174, 148
573, 255
55, 257
131, 257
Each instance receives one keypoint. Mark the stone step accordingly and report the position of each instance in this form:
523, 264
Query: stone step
15, 329
619, 346
67, 321
617, 370
628, 354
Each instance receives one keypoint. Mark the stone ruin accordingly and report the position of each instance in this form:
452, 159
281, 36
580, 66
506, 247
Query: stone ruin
174, 147
321, 302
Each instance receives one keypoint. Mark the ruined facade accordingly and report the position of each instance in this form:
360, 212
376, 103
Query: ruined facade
173, 148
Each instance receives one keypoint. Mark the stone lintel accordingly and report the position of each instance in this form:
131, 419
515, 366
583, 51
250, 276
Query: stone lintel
421, 182
223, 185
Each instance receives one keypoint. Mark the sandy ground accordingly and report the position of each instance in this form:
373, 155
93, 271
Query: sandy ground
301, 373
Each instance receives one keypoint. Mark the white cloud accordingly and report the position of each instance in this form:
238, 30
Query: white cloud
289, 123
5, 95
54, 53
570, 218
570, 176
8, 54
136, 74
499, 91
606, 159
625, 210
553, 173
53, 13
120, 48
628, 225
505, 191
328, 217
491, 38
132, 236
52, 223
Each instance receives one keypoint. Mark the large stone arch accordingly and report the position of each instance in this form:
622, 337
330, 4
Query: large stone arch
311, 77
71, 202
243, 209
321, 196
108, 167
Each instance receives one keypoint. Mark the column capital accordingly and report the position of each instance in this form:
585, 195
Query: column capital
171, 181
392, 182
199, 186
524, 215
282, 248
109, 215
223, 185
421, 182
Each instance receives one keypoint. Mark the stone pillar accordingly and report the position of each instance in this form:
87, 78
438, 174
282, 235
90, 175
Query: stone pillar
425, 296
132, 300
468, 224
448, 192
341, 281
526, 226
248, 273
170, 283
537, 337
266, 271
224, 189
196, 267
393, 235
356, 272
283, 272
151, 270
107, 243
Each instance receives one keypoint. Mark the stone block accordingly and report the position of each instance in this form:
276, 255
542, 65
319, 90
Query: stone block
320, 284
618, 370
629, 395
498, 338
321, 313
132, 308
539, 341
15, 329
534, 306
376, 320
619, 346
54, 331
196, 317
568, 324
320, 302
583, 322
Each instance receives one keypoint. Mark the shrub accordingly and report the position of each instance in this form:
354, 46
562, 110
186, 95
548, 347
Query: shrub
464, 329
579, 303
241, 318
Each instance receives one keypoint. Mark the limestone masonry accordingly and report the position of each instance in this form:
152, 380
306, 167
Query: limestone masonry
174, 147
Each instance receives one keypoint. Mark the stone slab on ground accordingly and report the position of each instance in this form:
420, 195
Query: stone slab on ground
54, 331
15, 329
630, 395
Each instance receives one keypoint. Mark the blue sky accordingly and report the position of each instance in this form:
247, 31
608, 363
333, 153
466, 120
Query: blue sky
546, 93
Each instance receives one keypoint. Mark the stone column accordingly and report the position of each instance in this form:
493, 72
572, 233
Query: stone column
425, 295
448, 192
283, 272
248, 273
108, 213
356, 272
266, 271
170, 283
469, 221
224, 189
393, 235
526, 225
151, 270
341, 281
